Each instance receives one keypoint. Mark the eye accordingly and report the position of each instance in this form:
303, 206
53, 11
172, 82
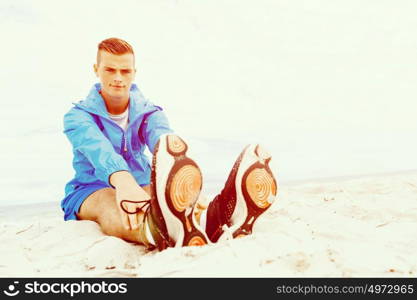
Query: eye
126, 71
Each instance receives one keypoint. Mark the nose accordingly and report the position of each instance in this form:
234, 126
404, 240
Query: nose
118, 77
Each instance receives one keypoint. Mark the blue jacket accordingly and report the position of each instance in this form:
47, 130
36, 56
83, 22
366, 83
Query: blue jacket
101, 147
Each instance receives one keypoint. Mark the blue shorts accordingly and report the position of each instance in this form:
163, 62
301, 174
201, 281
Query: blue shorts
72, 203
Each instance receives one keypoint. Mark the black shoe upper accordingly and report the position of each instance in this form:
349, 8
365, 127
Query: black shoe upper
220, 210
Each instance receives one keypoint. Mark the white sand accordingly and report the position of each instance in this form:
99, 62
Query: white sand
364, 227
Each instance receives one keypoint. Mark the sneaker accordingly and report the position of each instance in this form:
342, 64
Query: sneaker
176, 183
249, 191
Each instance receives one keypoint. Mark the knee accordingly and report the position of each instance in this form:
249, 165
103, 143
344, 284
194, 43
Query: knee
97, 204
107, 194
106, 202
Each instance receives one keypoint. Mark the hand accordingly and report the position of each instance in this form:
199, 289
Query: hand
127, 189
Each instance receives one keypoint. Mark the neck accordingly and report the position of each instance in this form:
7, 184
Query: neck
115, 106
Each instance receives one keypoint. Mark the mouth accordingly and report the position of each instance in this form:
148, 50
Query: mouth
117, 86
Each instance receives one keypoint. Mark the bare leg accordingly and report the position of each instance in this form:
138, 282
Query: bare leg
101, 207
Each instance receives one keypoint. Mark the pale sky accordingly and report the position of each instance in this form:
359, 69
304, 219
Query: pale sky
329, 86
308, 65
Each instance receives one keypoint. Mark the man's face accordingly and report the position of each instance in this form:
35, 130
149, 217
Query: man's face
116, 73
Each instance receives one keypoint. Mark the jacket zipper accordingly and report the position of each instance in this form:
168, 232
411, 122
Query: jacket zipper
124, 142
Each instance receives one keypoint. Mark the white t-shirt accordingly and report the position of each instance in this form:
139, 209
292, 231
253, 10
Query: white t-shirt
122, 120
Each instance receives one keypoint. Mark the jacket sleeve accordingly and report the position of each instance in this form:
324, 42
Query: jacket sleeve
87, 139
157, 125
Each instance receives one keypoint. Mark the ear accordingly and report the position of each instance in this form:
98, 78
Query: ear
95, 67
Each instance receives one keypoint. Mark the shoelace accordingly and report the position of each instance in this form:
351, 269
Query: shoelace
228, 233
147, 204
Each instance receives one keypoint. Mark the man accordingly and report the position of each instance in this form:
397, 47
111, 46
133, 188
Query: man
115, 185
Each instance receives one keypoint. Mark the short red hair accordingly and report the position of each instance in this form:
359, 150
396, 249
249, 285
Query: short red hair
114, 45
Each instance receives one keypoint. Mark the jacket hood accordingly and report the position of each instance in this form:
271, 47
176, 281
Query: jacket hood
94, 103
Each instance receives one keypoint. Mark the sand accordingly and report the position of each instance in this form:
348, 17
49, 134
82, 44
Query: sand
362, 227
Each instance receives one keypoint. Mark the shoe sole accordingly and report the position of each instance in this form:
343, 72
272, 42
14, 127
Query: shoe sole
178, 185
256, 189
